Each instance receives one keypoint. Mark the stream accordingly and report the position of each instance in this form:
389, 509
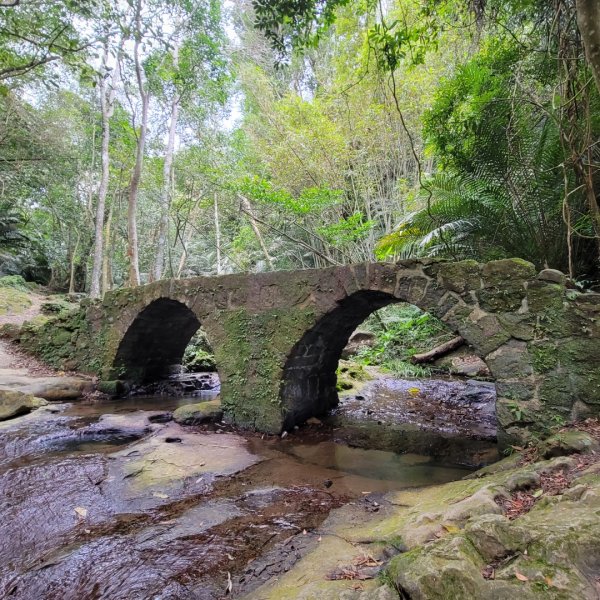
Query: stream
112, 499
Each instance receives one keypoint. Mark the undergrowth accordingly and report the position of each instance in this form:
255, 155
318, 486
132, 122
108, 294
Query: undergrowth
402, 331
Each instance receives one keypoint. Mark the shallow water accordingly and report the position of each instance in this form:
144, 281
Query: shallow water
81, 519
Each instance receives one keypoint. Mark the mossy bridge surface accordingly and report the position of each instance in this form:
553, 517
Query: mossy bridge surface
277, 336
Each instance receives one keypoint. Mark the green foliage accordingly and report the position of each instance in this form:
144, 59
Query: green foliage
501, 189
198, 354
294, 24
349, 229
12, 223
402, 330
34, 36
15, 282
468, 123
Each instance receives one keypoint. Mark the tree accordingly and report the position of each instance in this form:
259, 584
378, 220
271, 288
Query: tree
588, 20
107, 86
36, 34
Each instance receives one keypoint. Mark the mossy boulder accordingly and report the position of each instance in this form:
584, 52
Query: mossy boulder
350, 375
569, 442
202, 412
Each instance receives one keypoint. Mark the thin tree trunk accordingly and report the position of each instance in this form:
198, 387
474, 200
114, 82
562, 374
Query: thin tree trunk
217, 235
167, 173
73, 259
107, 102
247, 208
132, 247
106, 269
588, 20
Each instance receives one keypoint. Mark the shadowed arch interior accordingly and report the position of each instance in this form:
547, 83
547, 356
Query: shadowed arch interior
309, 377
156, 339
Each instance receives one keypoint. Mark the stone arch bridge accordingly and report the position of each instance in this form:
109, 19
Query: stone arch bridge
277, 336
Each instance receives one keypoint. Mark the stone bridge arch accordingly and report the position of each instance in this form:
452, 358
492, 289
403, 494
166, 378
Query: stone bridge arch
277, 336
308, 386
155, 340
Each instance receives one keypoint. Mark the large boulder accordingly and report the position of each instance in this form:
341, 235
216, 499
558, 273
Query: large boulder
49, 388
202, 412
358, 340
14, 404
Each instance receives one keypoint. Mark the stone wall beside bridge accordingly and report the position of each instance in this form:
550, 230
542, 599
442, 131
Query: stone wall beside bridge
278, 336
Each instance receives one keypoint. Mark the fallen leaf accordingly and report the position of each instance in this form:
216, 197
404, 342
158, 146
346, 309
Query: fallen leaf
160, 495
549, 582
521, 577
538, 493
414, 391
451, 528
81, 512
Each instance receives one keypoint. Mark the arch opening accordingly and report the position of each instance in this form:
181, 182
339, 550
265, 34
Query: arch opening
309, 376
455, 396
155, 341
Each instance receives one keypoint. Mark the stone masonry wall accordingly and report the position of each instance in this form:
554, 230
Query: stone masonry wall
277, 336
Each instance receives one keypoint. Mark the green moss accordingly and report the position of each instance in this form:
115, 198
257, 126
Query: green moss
544, 356
13, 301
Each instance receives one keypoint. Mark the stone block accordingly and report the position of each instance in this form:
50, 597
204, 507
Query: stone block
509, 361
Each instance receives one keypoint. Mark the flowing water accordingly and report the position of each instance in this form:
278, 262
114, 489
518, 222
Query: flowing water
111, 499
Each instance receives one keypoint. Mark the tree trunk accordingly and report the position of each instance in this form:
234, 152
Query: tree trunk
107, 101
167, 176
217, 236
588, 20
106, 259
134, 184
438, 351
73, 259
247, 208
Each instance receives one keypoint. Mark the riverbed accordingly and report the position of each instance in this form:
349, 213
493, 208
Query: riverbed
112, 499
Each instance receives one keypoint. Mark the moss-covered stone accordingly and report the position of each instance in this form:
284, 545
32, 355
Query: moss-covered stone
460, 277
202, 412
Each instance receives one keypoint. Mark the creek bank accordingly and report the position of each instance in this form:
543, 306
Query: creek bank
525, 527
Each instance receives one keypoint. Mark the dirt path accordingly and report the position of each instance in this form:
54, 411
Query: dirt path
12, 360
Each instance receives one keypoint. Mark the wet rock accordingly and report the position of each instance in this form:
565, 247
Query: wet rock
112, 388
510, 360
153, 463
134, 424
188, 384
202, 412
358, 340
452, 571
49, 388
479, 391
14, 404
